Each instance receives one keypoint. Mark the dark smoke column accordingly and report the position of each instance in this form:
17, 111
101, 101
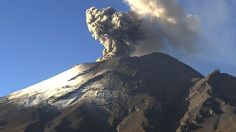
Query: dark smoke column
115, 30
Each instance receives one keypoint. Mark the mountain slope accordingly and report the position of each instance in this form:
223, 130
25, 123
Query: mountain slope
150, 93
49, 90
212, 105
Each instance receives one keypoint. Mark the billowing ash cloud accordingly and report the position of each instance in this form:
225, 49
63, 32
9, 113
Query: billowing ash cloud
166, 25
117, 31
151, 25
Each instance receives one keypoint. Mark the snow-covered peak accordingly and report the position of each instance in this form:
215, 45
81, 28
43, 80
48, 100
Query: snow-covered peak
52, 88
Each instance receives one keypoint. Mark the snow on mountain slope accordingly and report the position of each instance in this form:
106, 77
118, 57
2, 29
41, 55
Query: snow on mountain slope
83, 82
57, 86
146, 93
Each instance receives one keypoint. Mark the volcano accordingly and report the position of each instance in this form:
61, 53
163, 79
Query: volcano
151, 93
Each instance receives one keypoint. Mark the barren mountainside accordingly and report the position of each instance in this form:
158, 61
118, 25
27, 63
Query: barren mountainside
151, 93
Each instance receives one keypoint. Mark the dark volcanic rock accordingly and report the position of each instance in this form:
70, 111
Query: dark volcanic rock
139, 94
211, 105
152, 93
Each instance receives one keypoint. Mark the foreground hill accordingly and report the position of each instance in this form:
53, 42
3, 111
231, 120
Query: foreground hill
152, 93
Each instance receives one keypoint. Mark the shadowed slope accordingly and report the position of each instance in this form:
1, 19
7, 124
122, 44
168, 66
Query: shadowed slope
122, 94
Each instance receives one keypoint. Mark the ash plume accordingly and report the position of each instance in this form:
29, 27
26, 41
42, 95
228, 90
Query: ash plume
117, 31
149, 26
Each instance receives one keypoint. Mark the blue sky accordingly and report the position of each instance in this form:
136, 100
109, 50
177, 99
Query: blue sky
41, 38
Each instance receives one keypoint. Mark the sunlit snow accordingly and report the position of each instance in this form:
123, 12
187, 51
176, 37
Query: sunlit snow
55, 87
